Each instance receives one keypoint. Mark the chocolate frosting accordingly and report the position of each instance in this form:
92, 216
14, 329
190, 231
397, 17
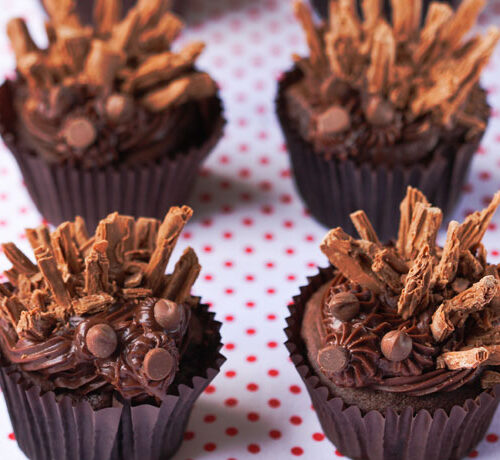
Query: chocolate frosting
97, 317
411, 317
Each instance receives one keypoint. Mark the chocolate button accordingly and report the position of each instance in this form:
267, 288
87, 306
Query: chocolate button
158, 364
333, 358
101, 340
119, 107
333, 121
396, 345
168, 314
79, 133
344, 306
379, 112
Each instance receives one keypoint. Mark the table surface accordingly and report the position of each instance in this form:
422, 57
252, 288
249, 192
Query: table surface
255, 240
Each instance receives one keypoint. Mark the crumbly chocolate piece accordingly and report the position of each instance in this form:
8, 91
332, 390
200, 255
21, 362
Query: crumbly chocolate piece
115, 87
432, 323
99, 312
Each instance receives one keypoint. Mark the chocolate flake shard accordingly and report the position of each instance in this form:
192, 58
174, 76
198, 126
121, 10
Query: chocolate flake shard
39, 236
364, 226
36, 324
137, 292
415, 294
92, 303
490, 379
107, 14
12, 307
97, 269
470, 358
65, 250
453, 312
20, 38
18, 260
423, 229
446, 269
183, 277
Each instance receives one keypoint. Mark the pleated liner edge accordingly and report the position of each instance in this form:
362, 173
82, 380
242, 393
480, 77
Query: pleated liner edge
60, 192
55, 428
332, 189
390, 435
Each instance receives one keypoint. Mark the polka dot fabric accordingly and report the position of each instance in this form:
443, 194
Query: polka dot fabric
255, 240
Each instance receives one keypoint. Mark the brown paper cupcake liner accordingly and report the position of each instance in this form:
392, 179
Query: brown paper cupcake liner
374, 435
334, 188
54, 427
62, 191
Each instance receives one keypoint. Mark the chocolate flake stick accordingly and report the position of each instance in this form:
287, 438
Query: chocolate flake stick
385, 272
406, 18
472, 230
183, 277
80, 231
20, 38
97, 269
124, 32
446, 269
150, 11
423, 230
454, 312
146, 233
470, 358
415, 294
364, 226
372, 10
62, 12
18, 260
52, 276
92, 303
39, 236
102, 64
407, 208
168, 233
118, 231
383, 55
166, 31
13, 308
346, 254
490, 379
107, 13
65, 251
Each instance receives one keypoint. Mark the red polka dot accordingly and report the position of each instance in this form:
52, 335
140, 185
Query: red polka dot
231, 431
210, 446
253, 416
188, 435
231, 402
338, 454
207, 248
210, 389
253, 448
297, 450
251, 358
492, 437
252, 387
12, 436
209, 418
228, 263
272, 344
318, 436
273, 372
230, 374
249, 250
271, 317
250, 331
275, 434
295, 389
229, 318
250, 304
295, 420
274, 403
230, 346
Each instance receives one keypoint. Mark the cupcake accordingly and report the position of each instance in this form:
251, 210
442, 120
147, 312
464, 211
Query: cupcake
102, 354
108, 118
399, 344
378, 107
322, 6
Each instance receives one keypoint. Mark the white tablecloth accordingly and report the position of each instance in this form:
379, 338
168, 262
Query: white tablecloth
251, 232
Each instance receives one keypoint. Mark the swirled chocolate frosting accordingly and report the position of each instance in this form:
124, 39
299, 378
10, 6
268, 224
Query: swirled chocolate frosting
411, 317
97, 315
391, 92
111, 92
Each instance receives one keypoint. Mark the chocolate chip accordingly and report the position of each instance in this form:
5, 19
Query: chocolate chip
168, 314
379, 112
333, 121
158, 364
333, 358
119, 107
79, 133
344, 306
101, 340
396, 345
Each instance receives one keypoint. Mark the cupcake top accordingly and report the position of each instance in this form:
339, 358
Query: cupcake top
111, 92
369, 85
97, 317
412, 317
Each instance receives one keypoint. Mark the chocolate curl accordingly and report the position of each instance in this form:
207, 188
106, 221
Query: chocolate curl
423, 230
168, 233
406, 17
437, 16
192, 87
415, 294
446, 269
39, 236
490, 379
124, 32
183, 277
470, 358
364, 226
349, 257
107, 13
454, 312
65, 250
118, 232
97, 269
18, 260
407, 208
474, 227
102, 64
52, 276
163, 67
20, 38
317, 55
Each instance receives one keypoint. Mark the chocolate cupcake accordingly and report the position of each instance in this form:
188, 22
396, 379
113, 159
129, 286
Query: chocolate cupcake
102, 354
108, 118
378, 107
399, 344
